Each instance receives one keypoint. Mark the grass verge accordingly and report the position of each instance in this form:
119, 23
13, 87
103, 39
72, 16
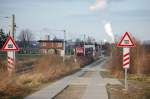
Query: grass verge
118, 92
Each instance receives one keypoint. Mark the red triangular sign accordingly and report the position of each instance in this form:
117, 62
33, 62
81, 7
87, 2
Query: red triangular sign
10, 45
126, 41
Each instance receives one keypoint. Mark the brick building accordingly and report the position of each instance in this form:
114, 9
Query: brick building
51, 46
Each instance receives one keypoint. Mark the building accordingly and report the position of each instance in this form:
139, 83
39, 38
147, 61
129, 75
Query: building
90, 48
51, 46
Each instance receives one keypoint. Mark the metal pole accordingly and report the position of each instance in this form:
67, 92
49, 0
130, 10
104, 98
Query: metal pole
64, 45
11, 54
0, 23
126, 76
75, 58
12, 26
126, 63
13, 34
93, 48
84, 44
101, 48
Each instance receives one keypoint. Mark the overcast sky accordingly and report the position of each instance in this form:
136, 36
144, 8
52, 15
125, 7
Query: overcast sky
79, 17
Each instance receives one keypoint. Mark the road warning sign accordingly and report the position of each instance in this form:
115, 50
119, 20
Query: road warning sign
10, 45
126, 41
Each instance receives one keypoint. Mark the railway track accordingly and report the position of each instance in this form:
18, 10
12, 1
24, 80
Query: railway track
26, 67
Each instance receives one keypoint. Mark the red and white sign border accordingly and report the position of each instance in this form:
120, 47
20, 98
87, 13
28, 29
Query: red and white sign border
126, 45
10, 38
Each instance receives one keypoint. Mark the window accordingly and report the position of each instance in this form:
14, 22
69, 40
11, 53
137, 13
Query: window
59, 45
44, 44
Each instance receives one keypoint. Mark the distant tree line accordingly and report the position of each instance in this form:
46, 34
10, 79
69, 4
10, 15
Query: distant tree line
25, 37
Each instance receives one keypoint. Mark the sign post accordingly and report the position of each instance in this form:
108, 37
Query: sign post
64, 52
126, 60
11, 47
126, 42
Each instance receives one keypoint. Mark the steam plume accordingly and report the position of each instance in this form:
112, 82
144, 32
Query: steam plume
108, 30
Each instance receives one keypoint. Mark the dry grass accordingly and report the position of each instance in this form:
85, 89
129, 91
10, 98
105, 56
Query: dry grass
139, 63
140, 60
117, 92
115, 64
9, 88
142, 78
139, 73
46, 69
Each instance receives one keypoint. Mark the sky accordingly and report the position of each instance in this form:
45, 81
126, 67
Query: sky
78, 17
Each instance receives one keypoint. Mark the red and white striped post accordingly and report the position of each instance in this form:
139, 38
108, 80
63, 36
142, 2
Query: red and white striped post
126, 42
126, 63
126, 57
11, 62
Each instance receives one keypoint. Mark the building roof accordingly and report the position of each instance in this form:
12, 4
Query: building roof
50, 41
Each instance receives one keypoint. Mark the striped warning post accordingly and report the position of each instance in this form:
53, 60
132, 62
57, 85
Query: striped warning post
126, 57
10, 66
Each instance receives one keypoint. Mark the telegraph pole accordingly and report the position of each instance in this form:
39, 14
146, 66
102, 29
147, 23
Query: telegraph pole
93, 47
64, 45
99, 49
11, 54
84, 44
12, 26
13, 32
101, 43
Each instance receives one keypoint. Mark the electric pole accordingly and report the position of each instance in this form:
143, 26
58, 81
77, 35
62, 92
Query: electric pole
84, 44
93, 47
64, 45
12, 26
101, 48
11, 54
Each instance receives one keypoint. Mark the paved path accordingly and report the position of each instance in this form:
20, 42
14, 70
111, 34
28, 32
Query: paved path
54, 88
89, 76
96, 88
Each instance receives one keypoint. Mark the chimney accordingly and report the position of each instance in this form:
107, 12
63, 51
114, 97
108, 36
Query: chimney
47, 37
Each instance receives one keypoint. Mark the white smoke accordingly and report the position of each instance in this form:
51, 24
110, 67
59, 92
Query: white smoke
100, 4
108, 30
104, 40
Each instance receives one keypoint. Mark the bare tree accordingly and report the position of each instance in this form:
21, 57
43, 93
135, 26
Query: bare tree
25, 37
